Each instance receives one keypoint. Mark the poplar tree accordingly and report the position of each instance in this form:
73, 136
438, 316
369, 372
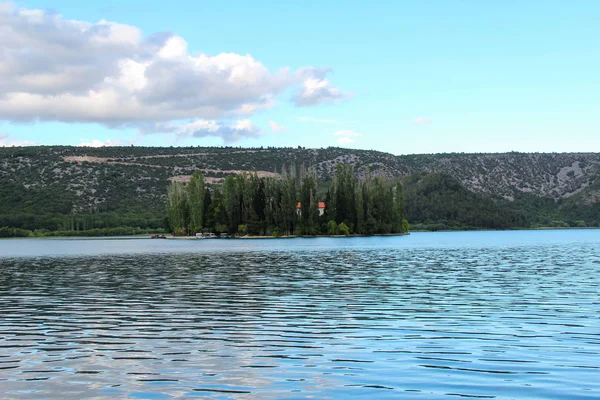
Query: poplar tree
247, 203
177, 208
195, 194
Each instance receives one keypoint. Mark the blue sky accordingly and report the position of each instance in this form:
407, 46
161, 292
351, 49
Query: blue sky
401, 77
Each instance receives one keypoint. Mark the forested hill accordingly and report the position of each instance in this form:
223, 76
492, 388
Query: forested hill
61, 187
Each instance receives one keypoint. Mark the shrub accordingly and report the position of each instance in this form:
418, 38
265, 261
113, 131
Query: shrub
332, 228
405, 226
343, 229
14, 232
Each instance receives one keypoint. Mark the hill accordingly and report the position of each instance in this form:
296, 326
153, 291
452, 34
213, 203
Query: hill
62, 187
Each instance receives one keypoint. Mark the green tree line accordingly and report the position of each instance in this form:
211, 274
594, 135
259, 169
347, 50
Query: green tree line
286, 205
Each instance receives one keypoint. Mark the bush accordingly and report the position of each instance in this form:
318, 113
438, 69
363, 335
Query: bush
405, 226
559, 224
6, 232
343, 229
276, 232
120, 231
332, 228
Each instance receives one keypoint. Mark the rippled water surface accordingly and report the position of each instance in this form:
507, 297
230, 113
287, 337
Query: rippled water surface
429, 316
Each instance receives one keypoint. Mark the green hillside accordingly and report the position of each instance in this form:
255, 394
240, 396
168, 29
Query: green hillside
77, 188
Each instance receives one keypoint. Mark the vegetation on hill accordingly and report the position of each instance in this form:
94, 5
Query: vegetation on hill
437, 201
61, 188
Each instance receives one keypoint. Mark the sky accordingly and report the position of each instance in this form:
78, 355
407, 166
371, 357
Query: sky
404, 77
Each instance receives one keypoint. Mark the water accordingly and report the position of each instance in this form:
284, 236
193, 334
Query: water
431, 316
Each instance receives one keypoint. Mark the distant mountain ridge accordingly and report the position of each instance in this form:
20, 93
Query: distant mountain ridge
122, 179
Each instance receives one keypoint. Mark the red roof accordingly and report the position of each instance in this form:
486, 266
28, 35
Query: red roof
321, 204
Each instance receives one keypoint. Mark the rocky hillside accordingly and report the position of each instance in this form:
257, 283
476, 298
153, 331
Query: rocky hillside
82, 180
556, 175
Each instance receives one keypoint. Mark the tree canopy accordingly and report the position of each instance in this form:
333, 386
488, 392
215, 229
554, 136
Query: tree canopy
287, 205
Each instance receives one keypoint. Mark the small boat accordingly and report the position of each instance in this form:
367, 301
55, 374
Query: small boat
158, 237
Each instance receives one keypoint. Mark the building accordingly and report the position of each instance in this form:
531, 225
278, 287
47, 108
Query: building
320, 205
321, 208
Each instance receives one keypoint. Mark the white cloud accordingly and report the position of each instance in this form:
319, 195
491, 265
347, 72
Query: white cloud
241, 129
174, 47
275, 127
55, 69
318, 90
345, 136
6, 7
422, 121
99, 143
5, 141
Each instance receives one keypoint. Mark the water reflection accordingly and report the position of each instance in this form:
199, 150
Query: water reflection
384, 322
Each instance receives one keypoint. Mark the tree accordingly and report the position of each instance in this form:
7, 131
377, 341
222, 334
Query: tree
343, 228
332, 228
309, 210
245, 203
177, 208
344, 194
217, 212
196, 194
398, 219
257, 219
208, 221
231, 203
288, 205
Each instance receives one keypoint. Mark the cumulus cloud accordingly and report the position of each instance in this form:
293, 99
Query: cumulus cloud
275, 127
55, 69
318, 90
345, 136
238, 130
5, 141
422, 121
100, 143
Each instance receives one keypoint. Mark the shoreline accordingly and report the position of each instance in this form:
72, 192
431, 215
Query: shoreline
248, 237
170, 237
542, 228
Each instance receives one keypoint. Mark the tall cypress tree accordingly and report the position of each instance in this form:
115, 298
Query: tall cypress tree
398, 225
231, 203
